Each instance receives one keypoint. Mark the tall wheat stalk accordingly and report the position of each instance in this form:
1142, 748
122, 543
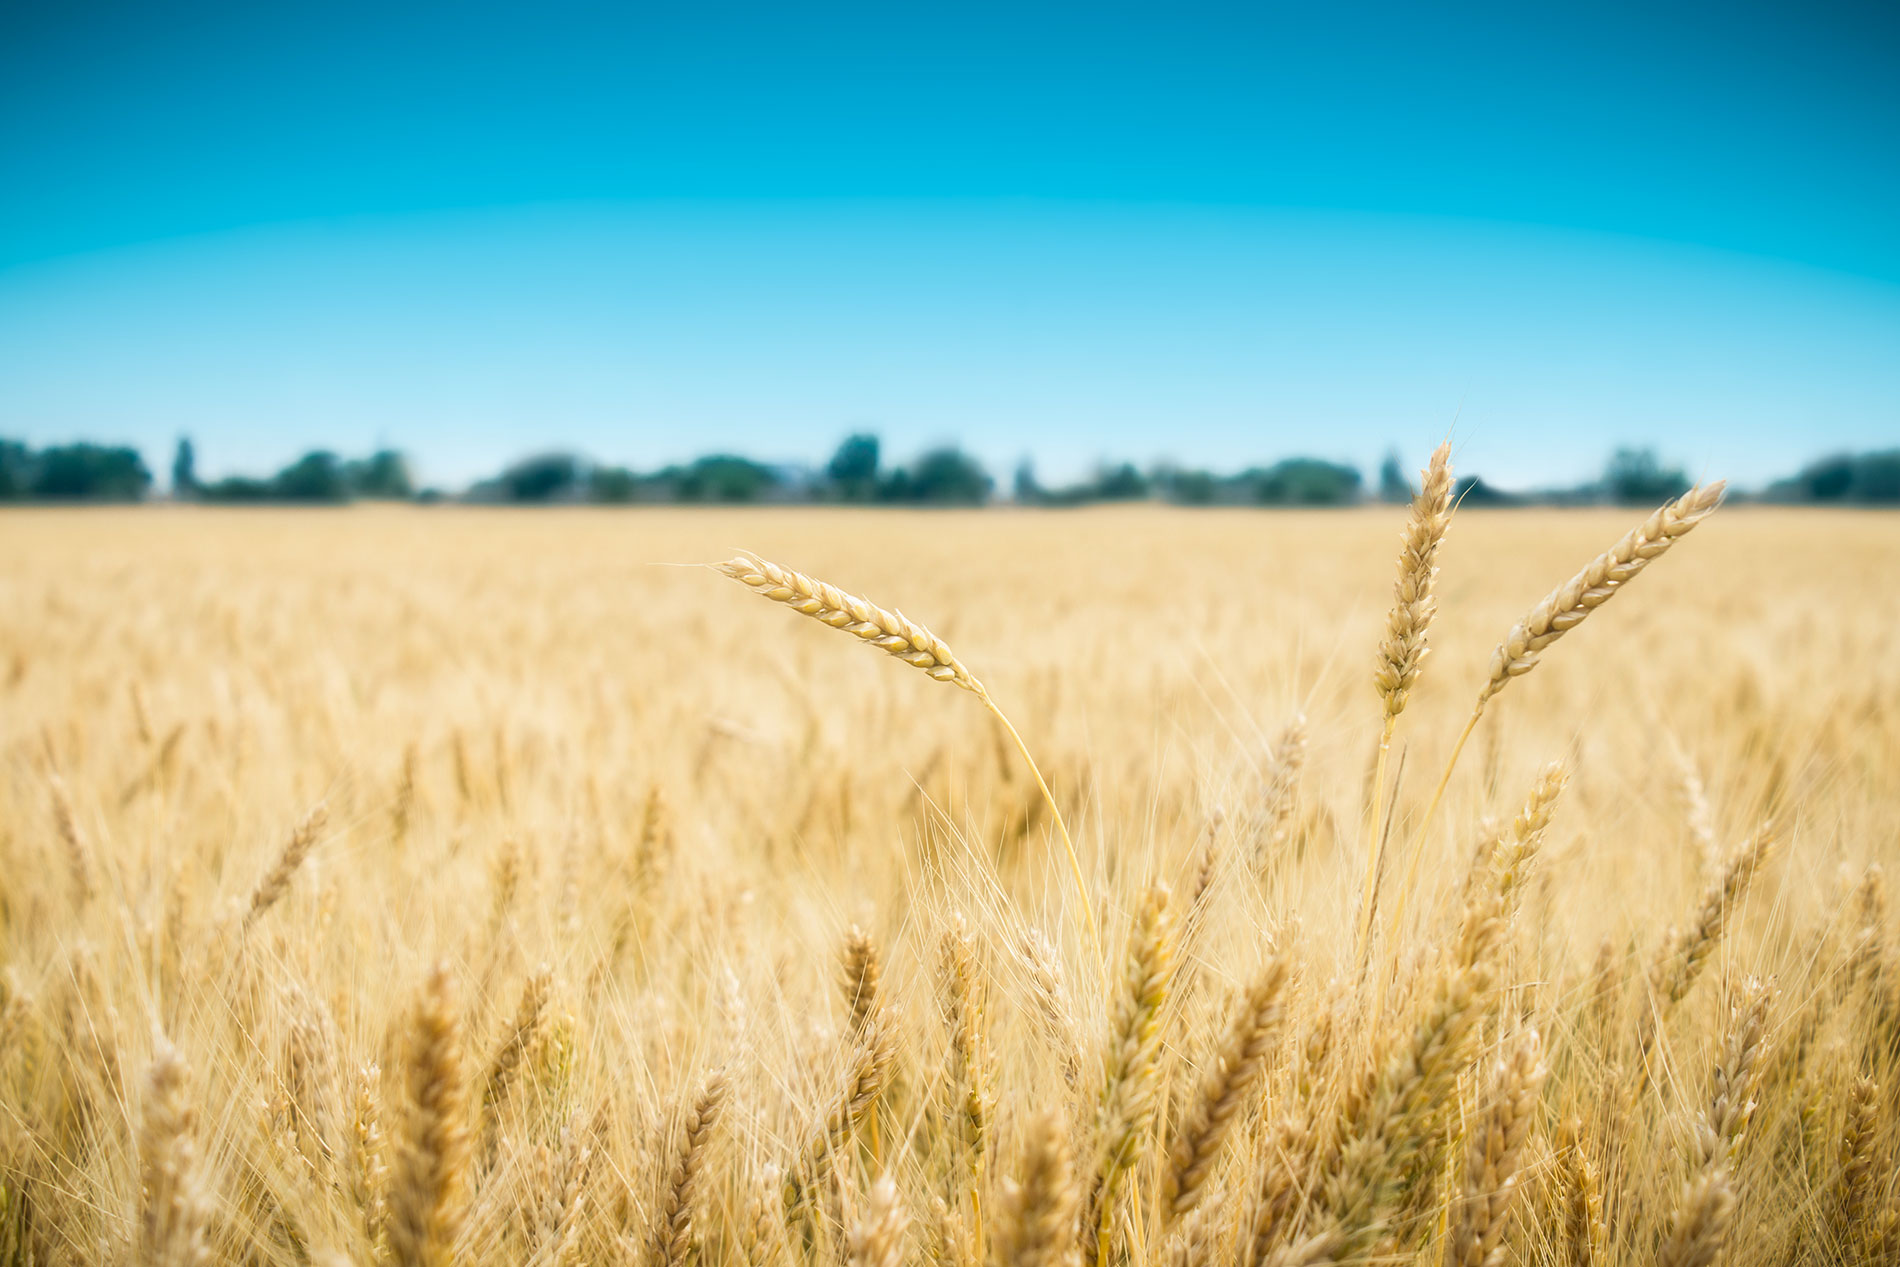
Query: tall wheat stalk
1564, 608
896, 634
1402, 653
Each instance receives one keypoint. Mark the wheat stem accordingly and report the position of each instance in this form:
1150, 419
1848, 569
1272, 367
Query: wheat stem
896, 634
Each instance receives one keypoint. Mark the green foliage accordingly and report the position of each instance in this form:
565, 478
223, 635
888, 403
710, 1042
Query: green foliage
237, 489
1025, 488
1394, 488
314, 477
1304, 482
1634, 477
1865, 479
612, 485
1121, 484
185, 469
1187, 487
941, 477
16, 470
84, 472
853, 469
382, 476
545, 477
317, 478
720, 478
1473, 491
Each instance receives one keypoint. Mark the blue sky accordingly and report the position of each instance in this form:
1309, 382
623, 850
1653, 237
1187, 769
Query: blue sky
1215, 233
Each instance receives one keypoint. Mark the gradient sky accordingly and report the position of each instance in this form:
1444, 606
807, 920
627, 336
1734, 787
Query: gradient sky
1214, 233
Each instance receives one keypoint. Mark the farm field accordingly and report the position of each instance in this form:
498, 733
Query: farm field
424, 886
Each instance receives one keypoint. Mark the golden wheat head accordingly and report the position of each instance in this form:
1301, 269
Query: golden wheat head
889, 631
1565, 607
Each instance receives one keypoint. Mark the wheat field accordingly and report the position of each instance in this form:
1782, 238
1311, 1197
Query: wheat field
429, 886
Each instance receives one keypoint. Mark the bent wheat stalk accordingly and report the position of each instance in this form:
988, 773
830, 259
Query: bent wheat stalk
1402, 653
1565, 607
896, 634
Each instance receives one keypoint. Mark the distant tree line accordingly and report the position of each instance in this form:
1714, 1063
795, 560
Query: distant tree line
857, 474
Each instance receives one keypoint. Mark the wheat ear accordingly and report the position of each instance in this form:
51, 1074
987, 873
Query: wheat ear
522, 1032
1856, 1185
1581, 1200
78, 855
1707, 1204
893, 632
275, 882
1127, 1104
1037, 1228
432, 1168
1701, 1222
370, 1174
173, 1209
860, 978
1491, 1158
1403, 651
878, 1238
1565, 607
1225, 1090
674, 1237
1687, 951
971, 1077
1390, 1128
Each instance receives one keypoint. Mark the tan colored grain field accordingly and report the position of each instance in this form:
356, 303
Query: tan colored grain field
447, 886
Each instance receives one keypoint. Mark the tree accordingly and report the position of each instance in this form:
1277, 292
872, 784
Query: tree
722, 478
853, 468
1394, 488
612, 485
1877, 478
1867, 478
1187, 486
383, 476
1121, 484
238, 488
90, 472
544, 477
317, 476
1473, 491
184, 470
1635, 477
16, 470
943, 477
1305, 482
1025, 488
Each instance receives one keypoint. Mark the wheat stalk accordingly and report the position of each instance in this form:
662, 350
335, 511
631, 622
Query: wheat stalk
861, 975
425, 1214
1701, 1222
1402, 653
674, 1236
878, 1238
1403, 650
971, 1081
1491, 1157
1687, 950
1225, 1090
1127, 1103
526, 1026
1581, 1196
78, 855
1037, 1225
275, 882
370, 1175
1565, 607
893, 632
174, 1208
